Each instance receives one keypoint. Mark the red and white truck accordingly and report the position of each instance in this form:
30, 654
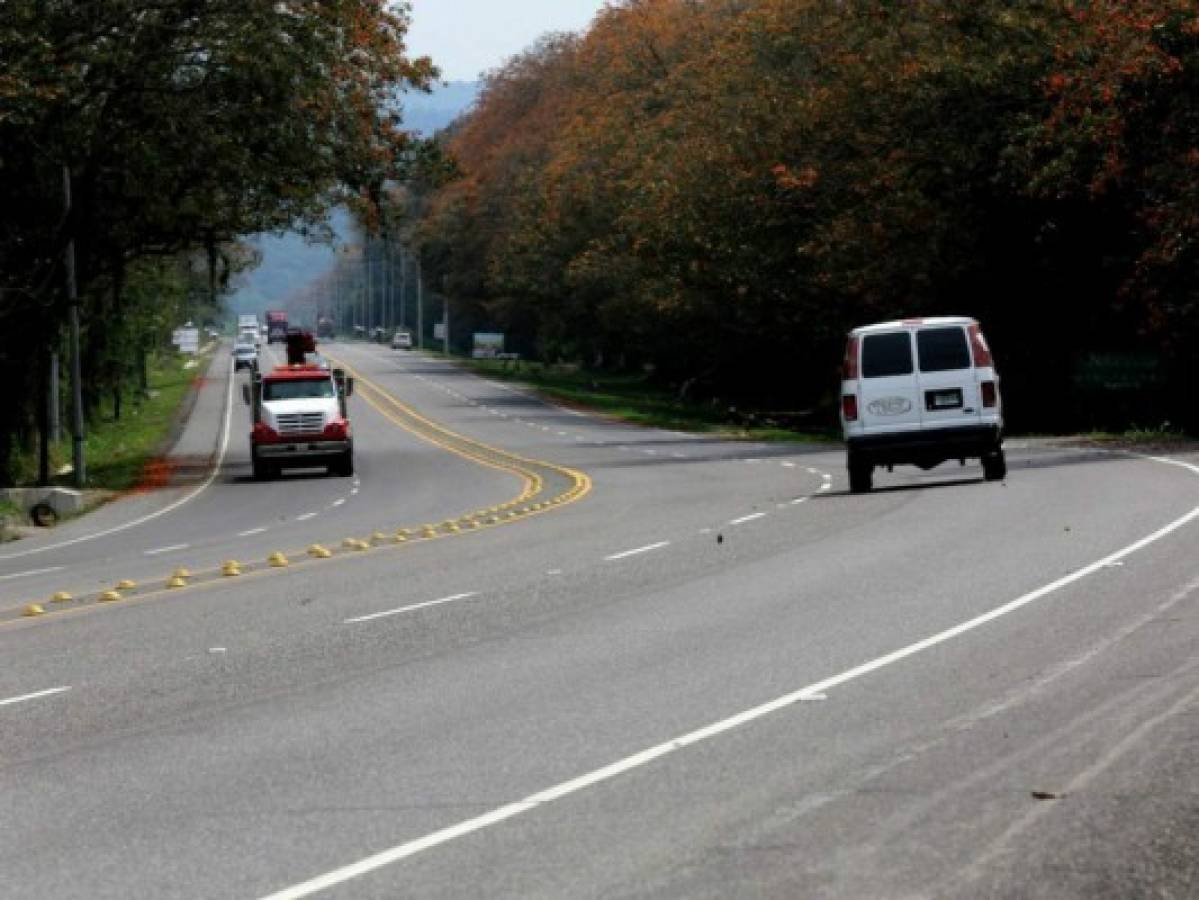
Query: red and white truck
299, 420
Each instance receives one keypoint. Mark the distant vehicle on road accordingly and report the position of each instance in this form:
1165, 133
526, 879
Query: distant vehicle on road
401, 340
324, 328
245, 356
920, 392
276, 326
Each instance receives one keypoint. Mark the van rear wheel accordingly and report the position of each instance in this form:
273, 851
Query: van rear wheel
861, 476
994, 466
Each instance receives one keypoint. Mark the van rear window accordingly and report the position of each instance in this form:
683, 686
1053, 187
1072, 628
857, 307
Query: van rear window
942, 349
884, 355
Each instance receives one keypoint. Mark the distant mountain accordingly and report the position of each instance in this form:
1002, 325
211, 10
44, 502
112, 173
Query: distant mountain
429, 113
289, 263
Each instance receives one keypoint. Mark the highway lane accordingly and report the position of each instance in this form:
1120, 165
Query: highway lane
408, 481
259, 733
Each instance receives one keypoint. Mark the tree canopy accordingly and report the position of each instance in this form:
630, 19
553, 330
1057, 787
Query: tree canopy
720, 189
182, 125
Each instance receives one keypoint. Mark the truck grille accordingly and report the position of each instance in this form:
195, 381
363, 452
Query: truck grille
301, 423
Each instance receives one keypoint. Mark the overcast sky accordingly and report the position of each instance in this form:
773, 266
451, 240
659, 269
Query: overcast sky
467, 37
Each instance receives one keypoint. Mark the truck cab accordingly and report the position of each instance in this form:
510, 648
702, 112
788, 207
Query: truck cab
299, 420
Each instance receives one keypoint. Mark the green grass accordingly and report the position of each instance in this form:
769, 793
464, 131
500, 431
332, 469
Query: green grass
631, 398
117, 452
1163, 434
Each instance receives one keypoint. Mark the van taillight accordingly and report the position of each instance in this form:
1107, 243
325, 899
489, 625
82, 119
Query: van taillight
849, 368
990, 394
849, 407
982, 353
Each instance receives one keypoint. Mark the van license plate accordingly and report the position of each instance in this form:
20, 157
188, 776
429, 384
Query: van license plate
951, 399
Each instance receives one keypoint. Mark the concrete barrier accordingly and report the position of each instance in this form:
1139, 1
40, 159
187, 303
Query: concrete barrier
63, 501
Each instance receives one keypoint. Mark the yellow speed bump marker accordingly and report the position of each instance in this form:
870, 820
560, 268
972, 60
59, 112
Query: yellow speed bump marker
401, 536
277, 560
316, 551
109, 596
33, 609
378, 537
231, 568
181, 573
126, 585
61, 597
177, 582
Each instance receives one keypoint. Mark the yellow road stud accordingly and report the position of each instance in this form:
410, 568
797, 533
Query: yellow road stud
126, 585
34, 609
378, 537
316, 551
400, 537
109, 596
61, 597
231, 568
181, 573
177, 582
278, 560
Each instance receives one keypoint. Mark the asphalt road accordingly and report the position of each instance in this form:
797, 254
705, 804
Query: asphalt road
618, 663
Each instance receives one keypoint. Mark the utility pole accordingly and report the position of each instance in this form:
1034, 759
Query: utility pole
368, 299
445, 317
403, 288
420, 306
76, 373
52, 400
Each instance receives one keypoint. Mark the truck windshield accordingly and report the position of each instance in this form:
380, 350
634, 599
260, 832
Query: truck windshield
297, 389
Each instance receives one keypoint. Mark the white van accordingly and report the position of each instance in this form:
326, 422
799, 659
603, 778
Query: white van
920, 392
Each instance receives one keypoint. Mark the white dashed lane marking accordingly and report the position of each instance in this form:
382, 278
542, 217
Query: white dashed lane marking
252, 531
412, 608
34, 696
31, 572
636, 550
748, 518
171, 549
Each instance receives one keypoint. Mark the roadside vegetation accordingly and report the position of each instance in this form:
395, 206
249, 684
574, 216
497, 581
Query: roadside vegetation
636, 398
718, 191
121, 452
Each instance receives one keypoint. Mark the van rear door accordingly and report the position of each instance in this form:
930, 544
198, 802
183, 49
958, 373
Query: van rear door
889, 393
949, 394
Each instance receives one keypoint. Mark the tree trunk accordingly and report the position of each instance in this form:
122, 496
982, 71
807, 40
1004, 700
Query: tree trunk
43, 420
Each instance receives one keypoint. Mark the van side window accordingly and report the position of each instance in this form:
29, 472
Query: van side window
884, 355
942, 349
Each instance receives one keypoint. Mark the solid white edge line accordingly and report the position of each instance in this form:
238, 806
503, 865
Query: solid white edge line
32, 572
415, 606
636, 550
748, 518
216, 470
817, 690
46, 693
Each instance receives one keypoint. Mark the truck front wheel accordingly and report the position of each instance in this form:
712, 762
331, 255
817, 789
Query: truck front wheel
261, 468
344, 466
